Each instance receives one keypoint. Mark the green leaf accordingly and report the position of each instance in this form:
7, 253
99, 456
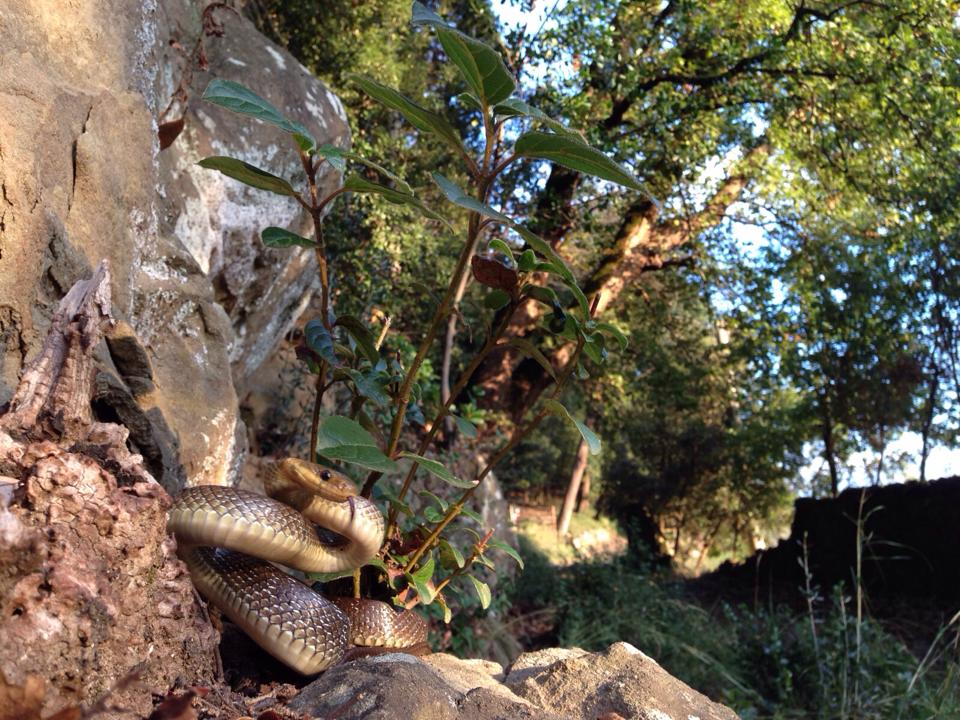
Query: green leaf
496, 299
447, 549
337, 157
543, 247
501, 247
447, 615
438, 469
485, 561
420, 580
362, 455
469, 101
319, 340
355, 183
466, 427
459, 197
240, 99
389, 494
615, 332
531, 350
591, 438
441, 503
371, 385
328, 576
248, 174
279, 238
481, 66
421, 118
340, 438
503, 547
483, 592
546, 295
515, 107
595, 350
576, 155
527, 261
471, 514
359, 332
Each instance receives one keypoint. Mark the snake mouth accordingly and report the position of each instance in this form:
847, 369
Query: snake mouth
326, 482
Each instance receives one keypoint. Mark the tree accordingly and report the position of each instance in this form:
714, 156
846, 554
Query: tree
827, 130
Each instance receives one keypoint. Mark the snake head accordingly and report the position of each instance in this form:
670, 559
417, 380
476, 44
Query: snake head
326, 482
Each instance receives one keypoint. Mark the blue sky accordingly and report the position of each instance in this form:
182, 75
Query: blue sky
942, 462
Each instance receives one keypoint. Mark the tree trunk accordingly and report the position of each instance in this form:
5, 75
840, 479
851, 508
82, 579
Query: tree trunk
583, 494
570, 499
448, 342
928, 424
640, 245
829, 451
883, 450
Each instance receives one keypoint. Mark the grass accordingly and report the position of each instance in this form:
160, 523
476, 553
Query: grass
829, 661
543, 538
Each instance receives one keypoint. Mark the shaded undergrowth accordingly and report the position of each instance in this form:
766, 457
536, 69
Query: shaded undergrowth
823, 662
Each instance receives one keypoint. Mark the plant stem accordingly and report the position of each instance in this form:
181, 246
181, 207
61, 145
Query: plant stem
315, 417
446, 305
461, 383
315, 209
478, 550
518, 435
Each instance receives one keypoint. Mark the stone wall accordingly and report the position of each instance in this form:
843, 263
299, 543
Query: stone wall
201, 302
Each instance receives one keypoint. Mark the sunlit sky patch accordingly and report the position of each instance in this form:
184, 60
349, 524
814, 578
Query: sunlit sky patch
751, 240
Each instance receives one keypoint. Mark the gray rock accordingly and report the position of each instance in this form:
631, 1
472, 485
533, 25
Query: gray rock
82, 179
379, 687
385, 687
579, 685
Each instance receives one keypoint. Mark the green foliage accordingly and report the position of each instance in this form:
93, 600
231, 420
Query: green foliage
239, 99
482, 66
340, 350
248, 174
764, 663
570, 152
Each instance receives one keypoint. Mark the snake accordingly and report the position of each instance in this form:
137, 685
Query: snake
230, 539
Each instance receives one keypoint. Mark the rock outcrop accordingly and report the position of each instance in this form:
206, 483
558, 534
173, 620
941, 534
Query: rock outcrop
556, 684
93, 601
200, 300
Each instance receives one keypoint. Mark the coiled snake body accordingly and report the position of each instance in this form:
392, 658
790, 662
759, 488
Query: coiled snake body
229, 538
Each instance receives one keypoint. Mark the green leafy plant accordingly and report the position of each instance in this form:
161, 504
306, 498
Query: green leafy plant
386, 393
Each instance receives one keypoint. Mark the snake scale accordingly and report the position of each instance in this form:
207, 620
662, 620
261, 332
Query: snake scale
229, 539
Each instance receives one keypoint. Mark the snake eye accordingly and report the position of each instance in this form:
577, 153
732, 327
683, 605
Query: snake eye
325, 475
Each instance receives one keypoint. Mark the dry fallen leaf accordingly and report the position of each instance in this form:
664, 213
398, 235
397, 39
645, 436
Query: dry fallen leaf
21, 702
178, 707
168, 132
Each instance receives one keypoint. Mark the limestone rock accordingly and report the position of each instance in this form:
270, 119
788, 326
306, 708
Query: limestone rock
201, 301
384, 687
579, 685
93, 600
573, 684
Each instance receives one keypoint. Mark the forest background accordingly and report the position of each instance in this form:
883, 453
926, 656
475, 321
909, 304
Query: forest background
789, 290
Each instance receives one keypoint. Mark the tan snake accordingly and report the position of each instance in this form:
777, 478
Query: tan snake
221, 532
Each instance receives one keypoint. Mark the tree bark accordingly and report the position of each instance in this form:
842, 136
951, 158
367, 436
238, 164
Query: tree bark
570, 499
448, 342
829, 449
929, 412
53, 397
583, 494
641, 244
